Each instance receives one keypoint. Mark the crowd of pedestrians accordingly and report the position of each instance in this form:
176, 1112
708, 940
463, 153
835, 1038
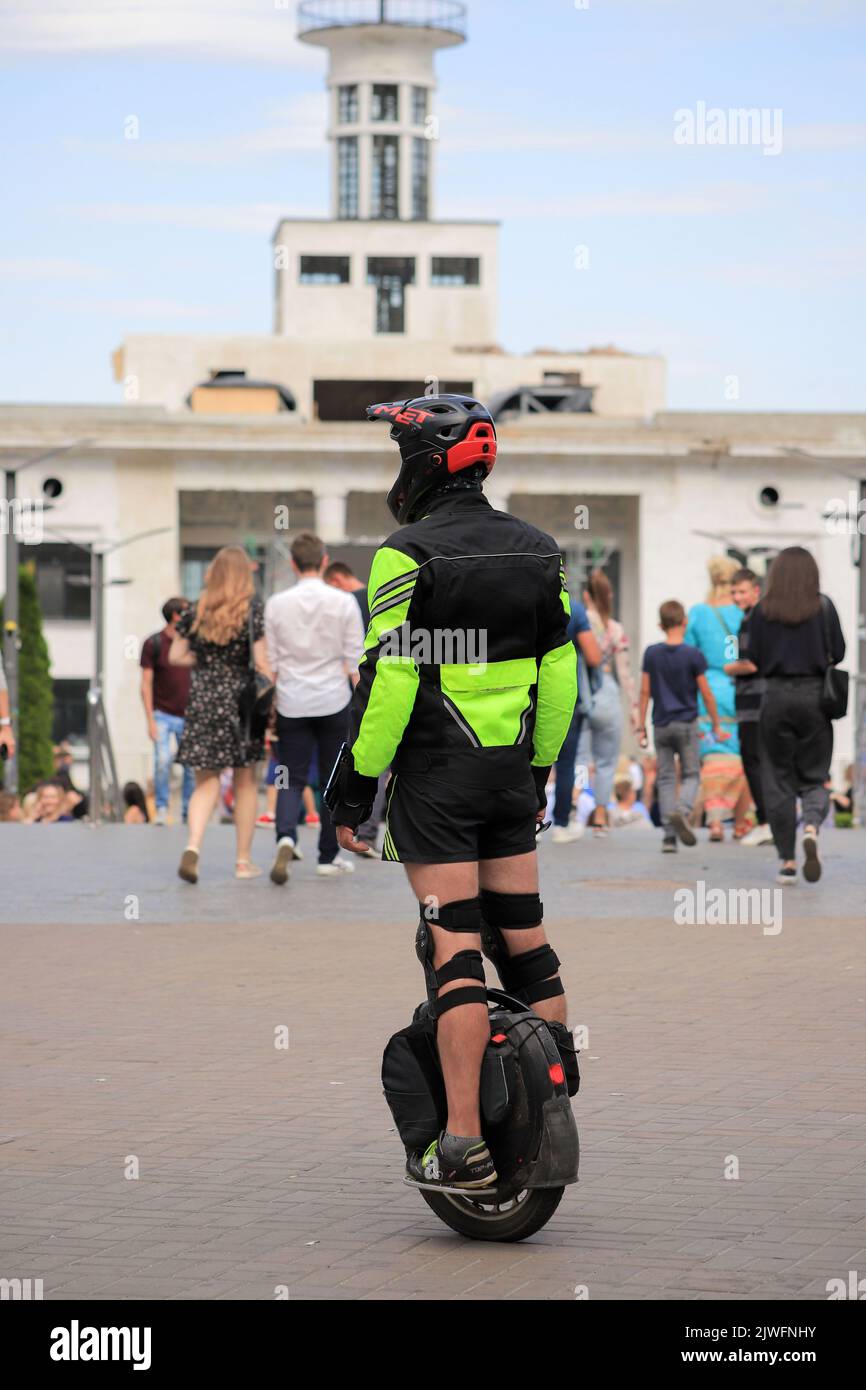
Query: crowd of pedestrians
741, 694
741, 731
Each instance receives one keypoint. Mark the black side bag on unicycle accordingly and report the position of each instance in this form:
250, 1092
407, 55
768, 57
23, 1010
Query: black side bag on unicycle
413, 1084
415, 1090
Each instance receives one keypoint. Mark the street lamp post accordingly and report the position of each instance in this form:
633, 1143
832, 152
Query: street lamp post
101, 752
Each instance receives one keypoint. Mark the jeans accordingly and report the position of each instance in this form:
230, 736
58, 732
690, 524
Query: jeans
296, 741
796, 748
677, 739
605, 727
168, 727
565, 772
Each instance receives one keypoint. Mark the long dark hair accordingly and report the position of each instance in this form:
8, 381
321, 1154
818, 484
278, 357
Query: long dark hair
793, 593
599, 590
134, 796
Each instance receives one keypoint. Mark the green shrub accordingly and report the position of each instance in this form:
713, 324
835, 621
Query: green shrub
35, 690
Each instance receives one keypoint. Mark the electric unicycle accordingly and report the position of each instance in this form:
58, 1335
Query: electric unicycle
528, 1074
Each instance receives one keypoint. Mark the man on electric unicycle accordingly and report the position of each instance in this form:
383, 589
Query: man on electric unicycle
467, 688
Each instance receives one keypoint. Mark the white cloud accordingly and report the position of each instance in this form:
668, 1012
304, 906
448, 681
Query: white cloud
711, 199
258, 218
50, 269
147, 308
480, 132
242, 30
298, 127
839, 135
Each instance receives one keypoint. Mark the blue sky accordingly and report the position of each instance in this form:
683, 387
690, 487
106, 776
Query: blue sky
555, 118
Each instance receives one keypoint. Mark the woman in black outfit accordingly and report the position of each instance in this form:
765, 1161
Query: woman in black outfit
789, 645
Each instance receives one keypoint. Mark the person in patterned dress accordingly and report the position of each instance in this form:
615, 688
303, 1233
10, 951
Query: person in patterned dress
213, 639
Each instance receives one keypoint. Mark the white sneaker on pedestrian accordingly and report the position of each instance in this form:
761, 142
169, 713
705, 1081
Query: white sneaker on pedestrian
566, 834
336, 867
287, 850
161, 818
759, 835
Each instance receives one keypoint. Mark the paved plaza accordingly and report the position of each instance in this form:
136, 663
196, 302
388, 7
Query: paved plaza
140, 1027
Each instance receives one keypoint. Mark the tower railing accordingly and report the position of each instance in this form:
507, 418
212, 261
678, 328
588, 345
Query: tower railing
422, 14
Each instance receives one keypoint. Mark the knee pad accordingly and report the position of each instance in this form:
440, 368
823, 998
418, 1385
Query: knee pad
527, 975
532, 976
512, 910
465, 965
464, 915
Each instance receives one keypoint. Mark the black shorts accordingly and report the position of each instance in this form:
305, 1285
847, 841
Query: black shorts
439, 820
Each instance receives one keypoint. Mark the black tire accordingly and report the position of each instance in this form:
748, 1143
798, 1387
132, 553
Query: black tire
525, 1214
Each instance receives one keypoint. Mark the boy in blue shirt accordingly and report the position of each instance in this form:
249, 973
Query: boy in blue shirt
673, 674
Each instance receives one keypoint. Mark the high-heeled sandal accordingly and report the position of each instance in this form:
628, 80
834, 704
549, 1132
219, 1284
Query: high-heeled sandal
244, 869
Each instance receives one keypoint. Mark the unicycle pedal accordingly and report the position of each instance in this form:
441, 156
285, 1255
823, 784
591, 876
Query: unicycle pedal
454, 1191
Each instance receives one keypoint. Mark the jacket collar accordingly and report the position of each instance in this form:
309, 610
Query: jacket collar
451, 501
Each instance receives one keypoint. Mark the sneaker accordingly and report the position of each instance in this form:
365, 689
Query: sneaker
265, 819
681, 827
161, 818
472, 1167
287, 850
669, 845
565, 834
787, 876
335, 868
760, 835
812, 864
312, 819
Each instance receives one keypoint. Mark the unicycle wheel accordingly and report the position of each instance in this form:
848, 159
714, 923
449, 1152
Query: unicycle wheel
491, 1219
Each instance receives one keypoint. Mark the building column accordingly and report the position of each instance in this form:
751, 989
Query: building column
404, 171
330, 512
497, 497
365, 151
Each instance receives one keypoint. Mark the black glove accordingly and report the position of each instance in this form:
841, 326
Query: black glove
539, 777
349, 795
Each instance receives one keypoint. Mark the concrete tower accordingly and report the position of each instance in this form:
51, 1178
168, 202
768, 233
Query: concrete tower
380, 85
379, 270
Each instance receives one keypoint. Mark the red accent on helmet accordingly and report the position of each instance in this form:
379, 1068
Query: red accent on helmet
557, 1075
479, 446
498, 1038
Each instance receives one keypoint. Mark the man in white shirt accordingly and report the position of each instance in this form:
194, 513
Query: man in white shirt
315, 641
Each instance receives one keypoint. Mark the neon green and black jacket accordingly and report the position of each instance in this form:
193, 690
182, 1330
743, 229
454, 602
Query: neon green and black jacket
466, 648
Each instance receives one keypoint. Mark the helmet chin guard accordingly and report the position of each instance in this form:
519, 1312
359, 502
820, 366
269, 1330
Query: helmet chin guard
440, 437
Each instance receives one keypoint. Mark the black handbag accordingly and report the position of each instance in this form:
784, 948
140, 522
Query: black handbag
834, 692
257, 694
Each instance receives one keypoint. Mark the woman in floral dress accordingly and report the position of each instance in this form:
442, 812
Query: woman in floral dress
213, 639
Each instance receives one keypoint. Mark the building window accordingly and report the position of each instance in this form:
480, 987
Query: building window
385, 103
384, 197
390, 275
420, 180
455, 270
70, 710
324, 270
63, 581
347, 105
347, 176
419, 105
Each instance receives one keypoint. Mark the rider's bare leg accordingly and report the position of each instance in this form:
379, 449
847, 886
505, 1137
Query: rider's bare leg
462, 1033
519, 874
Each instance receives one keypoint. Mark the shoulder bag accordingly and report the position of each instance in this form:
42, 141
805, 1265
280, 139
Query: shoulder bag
834, 692
257, 693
